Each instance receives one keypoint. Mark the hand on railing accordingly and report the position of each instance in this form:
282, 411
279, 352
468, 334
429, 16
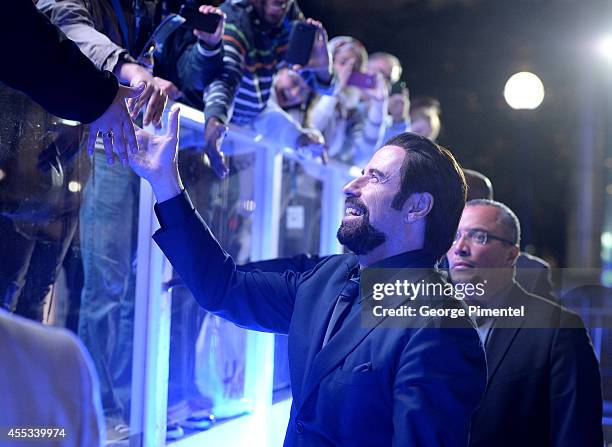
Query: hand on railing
214, 133
311, 144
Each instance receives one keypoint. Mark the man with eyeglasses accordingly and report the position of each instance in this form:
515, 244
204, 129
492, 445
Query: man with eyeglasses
544, 386
532, 273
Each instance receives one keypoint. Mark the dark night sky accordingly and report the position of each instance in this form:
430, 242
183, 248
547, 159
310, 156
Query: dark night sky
462, 52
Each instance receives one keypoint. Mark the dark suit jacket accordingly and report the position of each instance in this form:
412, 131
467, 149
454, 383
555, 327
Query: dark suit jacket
367, 386
39, 60
533, 274
544, 386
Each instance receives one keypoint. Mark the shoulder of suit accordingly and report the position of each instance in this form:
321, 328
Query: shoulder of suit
348, 260
35, 337
538, 305
526, 260
344, 263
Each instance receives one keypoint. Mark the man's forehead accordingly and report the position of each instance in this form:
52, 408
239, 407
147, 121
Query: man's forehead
483, 216
387, 157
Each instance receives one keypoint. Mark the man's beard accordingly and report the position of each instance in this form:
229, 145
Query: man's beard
358, 235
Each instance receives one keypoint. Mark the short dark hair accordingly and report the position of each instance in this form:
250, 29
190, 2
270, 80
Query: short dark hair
429, 167
507, 218
479, 185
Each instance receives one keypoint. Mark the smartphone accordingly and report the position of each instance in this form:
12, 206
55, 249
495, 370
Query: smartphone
301, 41
196, 20
362, 80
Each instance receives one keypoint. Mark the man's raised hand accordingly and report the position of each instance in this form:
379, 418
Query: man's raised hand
156, 161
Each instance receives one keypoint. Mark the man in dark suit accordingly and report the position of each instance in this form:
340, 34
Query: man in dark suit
352, 385
532, 273
544, 386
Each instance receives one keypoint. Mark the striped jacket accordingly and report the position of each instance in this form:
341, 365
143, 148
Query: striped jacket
252, 54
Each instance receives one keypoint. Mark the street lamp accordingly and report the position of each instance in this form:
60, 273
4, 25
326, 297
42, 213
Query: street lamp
604, 47
524, 90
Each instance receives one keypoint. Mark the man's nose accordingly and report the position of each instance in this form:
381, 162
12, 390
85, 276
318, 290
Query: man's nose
352, 188
461, 247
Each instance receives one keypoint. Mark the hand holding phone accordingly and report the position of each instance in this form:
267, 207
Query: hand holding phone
205, 18
361, 80
301, 41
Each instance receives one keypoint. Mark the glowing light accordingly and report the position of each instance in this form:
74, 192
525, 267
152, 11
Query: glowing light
2, 175
396, 73
524, 90
604, 47
74, 186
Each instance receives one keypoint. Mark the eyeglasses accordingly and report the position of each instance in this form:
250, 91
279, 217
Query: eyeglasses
481, 237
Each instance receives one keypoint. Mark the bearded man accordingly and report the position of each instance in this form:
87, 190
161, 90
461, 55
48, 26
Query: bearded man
351, 384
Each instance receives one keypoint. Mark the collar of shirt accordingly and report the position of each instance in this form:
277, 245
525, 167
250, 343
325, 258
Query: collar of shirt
409, 259
421, 261
496, 301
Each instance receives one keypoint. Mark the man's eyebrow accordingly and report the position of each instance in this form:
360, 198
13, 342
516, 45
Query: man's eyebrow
375, 171
477, 229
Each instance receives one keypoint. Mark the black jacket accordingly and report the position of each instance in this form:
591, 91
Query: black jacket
544, 386
369, 386
42, 62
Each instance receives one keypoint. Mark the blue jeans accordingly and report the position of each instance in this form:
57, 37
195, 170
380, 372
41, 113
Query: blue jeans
30, 262
108, 246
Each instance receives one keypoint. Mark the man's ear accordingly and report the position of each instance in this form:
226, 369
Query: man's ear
418, 205
513, 254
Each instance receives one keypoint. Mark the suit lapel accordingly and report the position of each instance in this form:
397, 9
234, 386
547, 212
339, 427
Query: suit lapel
325, 308
499, 343
501, 337
350, 335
